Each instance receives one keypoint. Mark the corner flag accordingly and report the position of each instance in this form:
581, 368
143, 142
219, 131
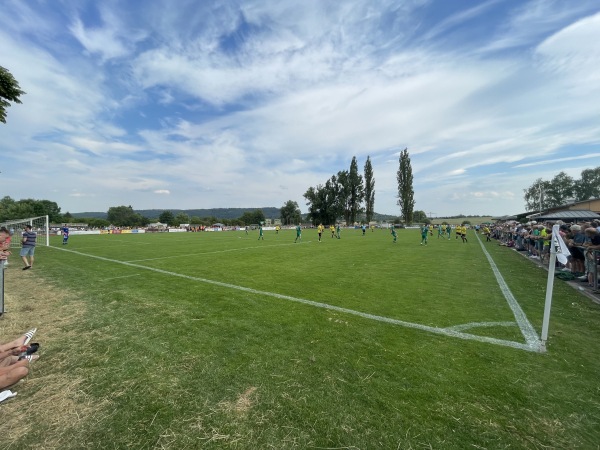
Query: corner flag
560, 248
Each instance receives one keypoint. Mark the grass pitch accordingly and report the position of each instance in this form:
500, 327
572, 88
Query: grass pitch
219, 340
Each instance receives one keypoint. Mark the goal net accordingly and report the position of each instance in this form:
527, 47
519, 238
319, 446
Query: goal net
38, 224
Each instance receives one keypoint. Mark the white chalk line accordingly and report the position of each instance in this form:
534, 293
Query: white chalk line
529, 333
442, 331
210, 253
467, 326
116, 278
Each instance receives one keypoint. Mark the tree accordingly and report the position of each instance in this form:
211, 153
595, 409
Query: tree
560, 190
369, 190
343, 193
405, 187
11, 209
253, 217
534, 195
588, 186
125, 216
9, 92
67, 217
180, 218
355, 189
420, 217
290, 213
97, 223
167, 217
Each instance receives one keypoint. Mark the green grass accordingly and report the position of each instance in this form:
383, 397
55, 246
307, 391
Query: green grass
178, 362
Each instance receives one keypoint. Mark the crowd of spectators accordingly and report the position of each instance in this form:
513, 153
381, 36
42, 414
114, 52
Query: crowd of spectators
534, 239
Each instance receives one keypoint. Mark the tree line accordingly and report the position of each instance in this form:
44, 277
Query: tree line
561, 189
126, 216
346, 195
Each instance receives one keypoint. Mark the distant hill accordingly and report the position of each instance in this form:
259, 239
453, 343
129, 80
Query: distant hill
219, 213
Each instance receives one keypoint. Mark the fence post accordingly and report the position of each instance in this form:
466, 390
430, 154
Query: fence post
2, 288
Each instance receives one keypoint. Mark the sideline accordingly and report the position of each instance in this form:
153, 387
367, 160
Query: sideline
435, 330
529, 333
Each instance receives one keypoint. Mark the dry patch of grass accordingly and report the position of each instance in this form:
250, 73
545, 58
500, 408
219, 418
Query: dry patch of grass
51, 397
242, 404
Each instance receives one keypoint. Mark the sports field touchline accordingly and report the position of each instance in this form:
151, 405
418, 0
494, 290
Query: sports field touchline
530, 345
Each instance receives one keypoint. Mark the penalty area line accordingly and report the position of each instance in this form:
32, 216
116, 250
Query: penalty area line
434, 330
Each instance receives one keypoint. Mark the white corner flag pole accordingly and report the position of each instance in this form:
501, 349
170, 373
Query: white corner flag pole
558, 249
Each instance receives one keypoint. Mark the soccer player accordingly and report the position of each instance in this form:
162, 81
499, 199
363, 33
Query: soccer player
277, 229
430, 230
394, 234
260, 233
441, 230
320, 229
332, 229
65, 233
338, 231
424, 233
364, 229
463, 233
298, 233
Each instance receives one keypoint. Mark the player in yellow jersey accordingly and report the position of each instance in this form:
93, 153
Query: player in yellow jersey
332, 229
320, 229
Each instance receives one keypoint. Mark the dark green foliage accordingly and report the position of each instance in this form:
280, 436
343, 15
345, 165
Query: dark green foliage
406, 193
21, 209
369, 191
253, 218
125, 216
290, 213
562, 189
167, 217
9, 92
355, 190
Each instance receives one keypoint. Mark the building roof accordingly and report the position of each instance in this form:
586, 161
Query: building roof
573, 214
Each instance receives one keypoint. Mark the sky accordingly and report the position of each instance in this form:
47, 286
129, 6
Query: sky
211, 104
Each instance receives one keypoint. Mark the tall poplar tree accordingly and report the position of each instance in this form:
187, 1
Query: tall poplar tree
355, 189
369, 190
406, 193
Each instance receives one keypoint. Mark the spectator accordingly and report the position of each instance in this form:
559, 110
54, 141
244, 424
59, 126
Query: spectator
575, 244
12, 367
28, 249
590, 256
4, 244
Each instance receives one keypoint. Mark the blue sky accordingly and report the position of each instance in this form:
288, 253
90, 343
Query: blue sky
203, 104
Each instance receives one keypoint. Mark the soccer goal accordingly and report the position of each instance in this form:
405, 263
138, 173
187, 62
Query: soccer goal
39, 224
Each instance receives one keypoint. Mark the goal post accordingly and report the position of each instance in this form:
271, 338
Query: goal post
40, 224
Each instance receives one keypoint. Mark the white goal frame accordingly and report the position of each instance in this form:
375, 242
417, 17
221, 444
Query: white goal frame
40, 224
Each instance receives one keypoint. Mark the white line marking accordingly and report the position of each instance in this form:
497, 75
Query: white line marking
435, 330
124, 276
209, 253
466, 326
527, 329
